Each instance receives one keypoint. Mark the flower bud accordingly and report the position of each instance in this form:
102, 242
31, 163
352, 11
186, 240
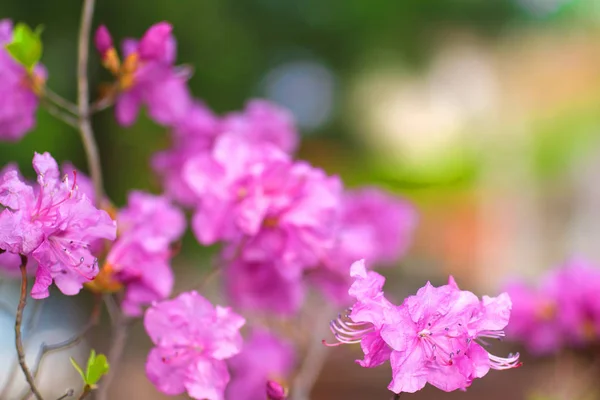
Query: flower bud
275, 391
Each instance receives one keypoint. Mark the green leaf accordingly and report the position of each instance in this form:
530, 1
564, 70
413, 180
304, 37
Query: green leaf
26, 45
78, 368
97, 367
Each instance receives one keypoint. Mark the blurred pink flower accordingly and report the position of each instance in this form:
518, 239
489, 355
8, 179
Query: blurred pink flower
139, 259
265, 358
431, 337
192, 341
18, 90
55, 224
263, 121
563, 310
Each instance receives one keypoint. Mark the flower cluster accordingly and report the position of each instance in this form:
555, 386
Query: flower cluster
192, 341
563, 310
55, 224
19, 90
433, 337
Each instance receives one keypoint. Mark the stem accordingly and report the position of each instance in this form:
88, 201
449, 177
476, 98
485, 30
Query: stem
86, 391
119, 339
18, 338
83, 99
58, 113
68, 394
396, 396
60, 101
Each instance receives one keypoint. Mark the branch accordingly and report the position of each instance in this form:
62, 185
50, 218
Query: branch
45, 349
119, 339
60, 101
69, 393
83, 98
59, 113
18, 321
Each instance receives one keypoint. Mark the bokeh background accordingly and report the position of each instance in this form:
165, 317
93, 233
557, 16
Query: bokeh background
486, 114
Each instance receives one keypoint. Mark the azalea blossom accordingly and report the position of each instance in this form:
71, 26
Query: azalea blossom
433, 337
19, 90
192, 340
53, 223
139, 260
563, 310
147, 76
265, 362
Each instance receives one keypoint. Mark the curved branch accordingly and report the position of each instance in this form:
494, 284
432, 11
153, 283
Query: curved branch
18, 338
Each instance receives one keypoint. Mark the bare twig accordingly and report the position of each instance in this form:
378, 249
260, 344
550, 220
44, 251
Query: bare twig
83, 98
18, 338
101, 104
45, 349
118, 341
59, 113
314, 360
60, 101
69, 393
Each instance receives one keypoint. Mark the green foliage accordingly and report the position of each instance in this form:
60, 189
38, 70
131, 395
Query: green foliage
26, 46
97, 366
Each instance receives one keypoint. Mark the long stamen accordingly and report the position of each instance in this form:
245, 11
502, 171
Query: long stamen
347, 331
500, 363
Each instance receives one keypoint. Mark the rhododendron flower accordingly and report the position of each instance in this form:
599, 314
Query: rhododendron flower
55, 224
265, 358
373, 225
248, 189
19, 90
263, 121
192, 341
147, 76
139, 259
192, 136
432, 337
563, 310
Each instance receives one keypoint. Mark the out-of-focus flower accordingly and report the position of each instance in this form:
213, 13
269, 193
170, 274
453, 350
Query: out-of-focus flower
19, 90
373, 225
192, 136
432, 337
563, 310
55, 224
263, 121
265, 360
139, 258
147, 76
192, 341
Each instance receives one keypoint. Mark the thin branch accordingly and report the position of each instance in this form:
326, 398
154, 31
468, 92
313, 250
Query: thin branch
59, 113
45, 349
86, 391
60, 101
118, 341
83, 98
101, 104
315, 358
69, 393
18, 338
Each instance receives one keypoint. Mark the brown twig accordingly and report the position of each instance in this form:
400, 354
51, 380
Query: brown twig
83, 98
118, 341
59, 113
86, 391
60, 101
18, 338
45, 349
69, 393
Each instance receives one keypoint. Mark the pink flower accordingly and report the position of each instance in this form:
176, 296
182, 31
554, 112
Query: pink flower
192, 136
55, 224
373, 225
147, 76
263, 121
563, 310
19, 90
192, 341
275, 391
265, 358
432, 337
140, 258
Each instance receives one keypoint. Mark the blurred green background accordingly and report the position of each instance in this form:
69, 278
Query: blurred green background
486, 113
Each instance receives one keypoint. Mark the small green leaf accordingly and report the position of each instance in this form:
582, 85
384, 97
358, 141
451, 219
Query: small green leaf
78, 368
26, 45
96, 368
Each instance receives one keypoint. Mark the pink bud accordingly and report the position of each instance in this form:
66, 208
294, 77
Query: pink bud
275, 391
158, 43
103, 40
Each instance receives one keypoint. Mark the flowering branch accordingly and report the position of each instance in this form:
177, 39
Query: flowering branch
85, 125
18, 338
